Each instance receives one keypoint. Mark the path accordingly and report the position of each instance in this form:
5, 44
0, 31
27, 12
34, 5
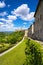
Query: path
11, 48
41, 42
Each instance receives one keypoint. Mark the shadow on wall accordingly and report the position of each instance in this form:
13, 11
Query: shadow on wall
36, 38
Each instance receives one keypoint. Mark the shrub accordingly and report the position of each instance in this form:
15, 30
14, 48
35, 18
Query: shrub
33, 53
10, 38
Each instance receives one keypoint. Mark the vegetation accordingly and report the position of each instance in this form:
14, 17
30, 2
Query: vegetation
4, 46
33, 53
7, 40
29, 51
16, 56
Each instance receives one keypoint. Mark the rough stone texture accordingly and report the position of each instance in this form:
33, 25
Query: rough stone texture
38, 24
30, 31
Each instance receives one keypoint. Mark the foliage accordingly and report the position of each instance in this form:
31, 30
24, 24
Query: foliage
33, 53
10, 38
4, 46
15, 56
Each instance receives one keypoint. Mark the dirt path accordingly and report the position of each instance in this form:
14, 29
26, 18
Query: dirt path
11, 48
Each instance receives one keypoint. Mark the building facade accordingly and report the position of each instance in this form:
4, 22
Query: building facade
36, 29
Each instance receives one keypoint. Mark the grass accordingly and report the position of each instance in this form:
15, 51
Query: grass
14, 57
7, 40
5, 46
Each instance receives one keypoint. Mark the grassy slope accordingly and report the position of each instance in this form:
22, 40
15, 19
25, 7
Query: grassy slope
14, 57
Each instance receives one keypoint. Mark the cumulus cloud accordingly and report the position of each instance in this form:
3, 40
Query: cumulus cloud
24, 23
8, 5
23, 12
1, 23
24, 27
3, 13
5, 20
2, 4
11, 17
7, 25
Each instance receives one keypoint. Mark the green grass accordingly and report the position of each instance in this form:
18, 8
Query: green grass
14, 57
5, 46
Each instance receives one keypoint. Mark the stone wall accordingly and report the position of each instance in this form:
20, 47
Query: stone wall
38, 24
30, 31
26, 33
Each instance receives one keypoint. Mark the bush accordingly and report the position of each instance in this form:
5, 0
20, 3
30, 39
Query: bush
10, 38
33, 53
13, 40
4, 46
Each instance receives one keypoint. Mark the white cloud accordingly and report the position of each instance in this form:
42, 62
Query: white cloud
30, 15
2, 4
11, 17
7, 25
24, 27
5, 20
1, 23
8, 5
23, 12
24, 23
3, 13
2, 19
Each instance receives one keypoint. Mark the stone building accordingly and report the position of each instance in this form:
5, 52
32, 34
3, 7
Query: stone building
30, 31
26, 33
36, 29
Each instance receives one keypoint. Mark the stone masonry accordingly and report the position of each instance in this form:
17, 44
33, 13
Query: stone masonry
36, 29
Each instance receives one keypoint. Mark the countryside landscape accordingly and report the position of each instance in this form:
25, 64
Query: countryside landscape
21, 32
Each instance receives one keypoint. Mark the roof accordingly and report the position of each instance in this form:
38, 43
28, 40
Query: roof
37, 7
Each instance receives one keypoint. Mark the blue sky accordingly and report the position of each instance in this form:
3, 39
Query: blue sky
17, 14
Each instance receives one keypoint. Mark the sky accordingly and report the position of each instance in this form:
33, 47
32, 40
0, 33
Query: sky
17, 14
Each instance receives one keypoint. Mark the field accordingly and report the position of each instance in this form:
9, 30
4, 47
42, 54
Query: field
14, 57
